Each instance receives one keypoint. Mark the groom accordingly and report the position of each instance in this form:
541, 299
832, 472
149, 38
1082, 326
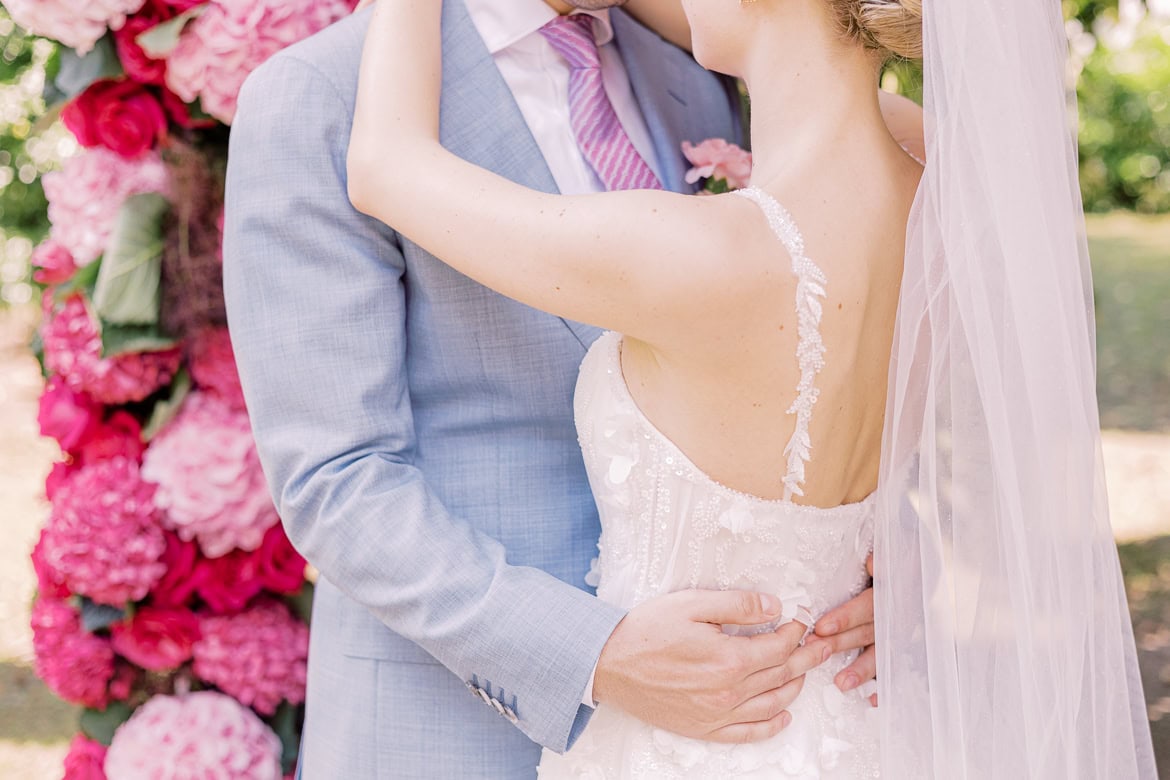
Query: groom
417, 430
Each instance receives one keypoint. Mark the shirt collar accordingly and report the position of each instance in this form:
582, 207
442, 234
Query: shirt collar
502, 23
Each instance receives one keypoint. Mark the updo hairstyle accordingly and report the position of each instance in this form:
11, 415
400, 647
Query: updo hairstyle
888, 27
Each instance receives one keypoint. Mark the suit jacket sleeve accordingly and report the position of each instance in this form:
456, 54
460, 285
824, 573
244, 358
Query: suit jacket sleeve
317, 314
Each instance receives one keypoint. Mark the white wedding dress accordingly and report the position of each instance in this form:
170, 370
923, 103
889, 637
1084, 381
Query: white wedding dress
667, 526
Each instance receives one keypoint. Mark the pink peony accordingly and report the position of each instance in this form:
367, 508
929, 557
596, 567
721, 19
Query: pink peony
232, 38
229, 582
178, 584
53, 262
87, 193
73, 349
213, 365
210, 486
78, 24
50, 582
158, 640
85, 759
716, 159
258, 656
75, 665
67, 416
103, 534
205, 734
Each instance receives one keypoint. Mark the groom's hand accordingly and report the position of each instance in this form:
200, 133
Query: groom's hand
668, 663
850, 627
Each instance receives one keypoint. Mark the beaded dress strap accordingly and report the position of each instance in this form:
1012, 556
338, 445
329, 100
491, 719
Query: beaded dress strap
810, 350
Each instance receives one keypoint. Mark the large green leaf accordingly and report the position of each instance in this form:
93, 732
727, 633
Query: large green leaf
76, 72
286, 723
100, 725
127, 291
159, 41
125, 339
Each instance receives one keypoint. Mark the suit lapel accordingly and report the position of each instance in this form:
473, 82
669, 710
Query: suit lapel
488, 128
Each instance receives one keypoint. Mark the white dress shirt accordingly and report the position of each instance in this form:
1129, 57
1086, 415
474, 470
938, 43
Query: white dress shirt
538, 78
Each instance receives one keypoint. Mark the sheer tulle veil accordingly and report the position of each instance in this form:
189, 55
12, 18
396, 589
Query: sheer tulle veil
1005, 647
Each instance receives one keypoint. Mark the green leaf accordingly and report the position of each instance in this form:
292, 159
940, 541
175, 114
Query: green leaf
302, 602
100, 725
127, 291
96, 617
83, 282
286, 724
159, 41
125, 339
164, 411
76, 72
717, 186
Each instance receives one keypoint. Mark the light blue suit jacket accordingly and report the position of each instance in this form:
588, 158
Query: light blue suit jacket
416, 428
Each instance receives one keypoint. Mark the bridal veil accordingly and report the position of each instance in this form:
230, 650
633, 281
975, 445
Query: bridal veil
1005, 647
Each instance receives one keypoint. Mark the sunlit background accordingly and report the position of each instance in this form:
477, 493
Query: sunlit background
1120, 61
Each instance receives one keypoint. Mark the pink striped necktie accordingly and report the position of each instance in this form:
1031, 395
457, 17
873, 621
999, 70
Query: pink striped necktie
599, 133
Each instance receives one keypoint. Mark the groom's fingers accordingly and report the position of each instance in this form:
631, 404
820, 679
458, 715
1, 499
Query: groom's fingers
736, 607
853, 614
860, 671
766, 706
773, 648
801, 661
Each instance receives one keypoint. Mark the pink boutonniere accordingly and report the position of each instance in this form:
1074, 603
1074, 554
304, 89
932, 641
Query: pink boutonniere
723, 165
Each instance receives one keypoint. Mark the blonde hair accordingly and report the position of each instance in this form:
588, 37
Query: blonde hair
890, 27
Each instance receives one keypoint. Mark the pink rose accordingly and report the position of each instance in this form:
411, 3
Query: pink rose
78, 24
229, 582
85, 759
74, 665
281, 567
53, 262
119, 114
156, 639
715, 160
58, 477
178, 585
68, 416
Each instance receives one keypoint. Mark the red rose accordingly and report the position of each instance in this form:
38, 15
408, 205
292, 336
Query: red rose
178, 584
69, 417
180, 113
157, 639
281, 567
138, 65
119, 114
229, 582
53, 262
119, 436
50, 583
124, 681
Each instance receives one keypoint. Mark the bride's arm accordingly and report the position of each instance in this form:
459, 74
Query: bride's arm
665, 17
631, 261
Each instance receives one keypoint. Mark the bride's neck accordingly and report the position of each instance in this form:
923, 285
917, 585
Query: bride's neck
811, 94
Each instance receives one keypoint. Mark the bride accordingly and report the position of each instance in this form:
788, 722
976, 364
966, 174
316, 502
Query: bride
735, 420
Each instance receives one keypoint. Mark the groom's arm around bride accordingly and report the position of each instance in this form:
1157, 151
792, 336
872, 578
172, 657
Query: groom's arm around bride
417, 433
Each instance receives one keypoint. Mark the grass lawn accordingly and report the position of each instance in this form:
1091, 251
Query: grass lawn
1131, 280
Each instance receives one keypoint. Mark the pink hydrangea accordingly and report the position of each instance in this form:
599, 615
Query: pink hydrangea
258, 656
210, 486
73, 349
717, 159
78, 24
234, 37
75, 665
85, 759
213, 365
103, 534
70, 417
203, 734
86, 194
